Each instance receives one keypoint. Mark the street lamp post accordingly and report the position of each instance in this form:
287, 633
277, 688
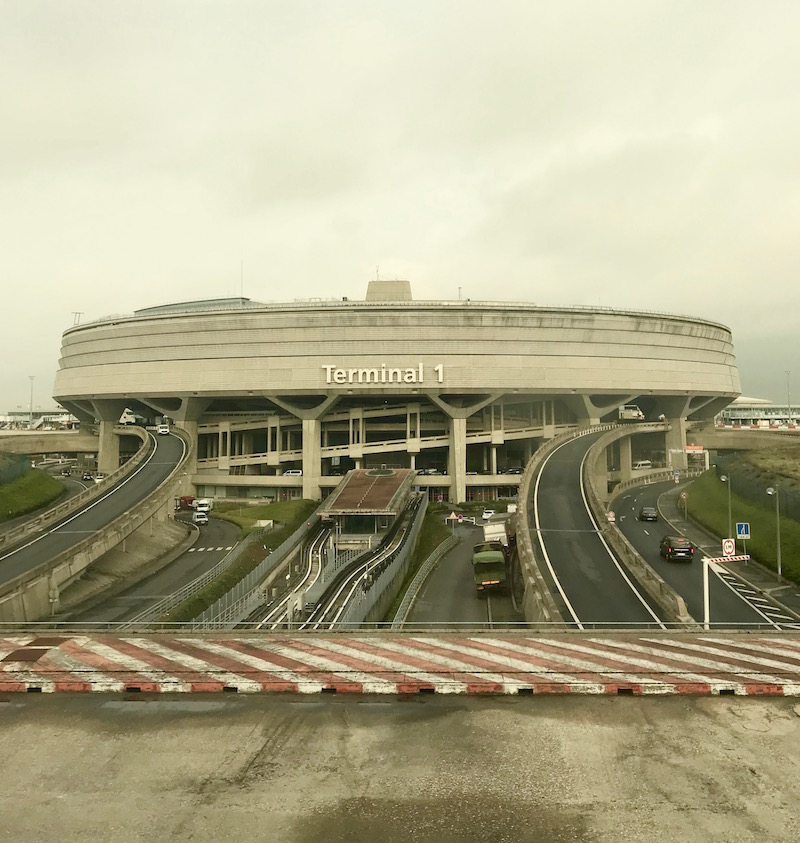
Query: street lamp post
726, 479
774, 492
30, 409
788, 398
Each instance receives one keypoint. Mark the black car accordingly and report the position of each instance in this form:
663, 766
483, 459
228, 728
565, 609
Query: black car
676, 547
87, 475
648, 513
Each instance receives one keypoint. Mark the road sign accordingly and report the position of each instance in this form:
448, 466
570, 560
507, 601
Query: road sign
440, 498
742, 530
728, 547
460, 517
451, 516
611, 516
676, 473
683, 496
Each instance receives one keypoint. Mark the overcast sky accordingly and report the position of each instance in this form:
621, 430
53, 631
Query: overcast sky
632, 154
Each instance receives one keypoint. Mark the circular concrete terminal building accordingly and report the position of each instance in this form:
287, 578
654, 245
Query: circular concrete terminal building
282, 399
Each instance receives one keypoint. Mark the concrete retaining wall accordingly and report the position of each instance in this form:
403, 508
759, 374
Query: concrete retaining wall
667, 599
34, 595
39, 523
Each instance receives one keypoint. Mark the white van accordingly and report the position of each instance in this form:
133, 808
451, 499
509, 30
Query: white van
200, 517
162, 429
642, 464
293, 472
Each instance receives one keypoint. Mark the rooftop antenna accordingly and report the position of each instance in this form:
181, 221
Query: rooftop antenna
459, 293
241, 280
377, 275
76, 317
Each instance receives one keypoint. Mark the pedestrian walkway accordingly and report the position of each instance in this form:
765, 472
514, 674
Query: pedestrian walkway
373, 663
763, 580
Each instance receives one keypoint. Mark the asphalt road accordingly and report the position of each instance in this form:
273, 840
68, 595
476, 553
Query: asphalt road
448, 597
441, 769
166, 454
215, 540
729, 607
593, 586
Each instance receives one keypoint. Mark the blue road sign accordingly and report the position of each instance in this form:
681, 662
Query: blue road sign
742, 530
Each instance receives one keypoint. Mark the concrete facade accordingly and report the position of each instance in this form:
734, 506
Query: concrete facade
459, 390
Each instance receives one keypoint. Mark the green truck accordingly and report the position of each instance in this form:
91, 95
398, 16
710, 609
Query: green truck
489, 569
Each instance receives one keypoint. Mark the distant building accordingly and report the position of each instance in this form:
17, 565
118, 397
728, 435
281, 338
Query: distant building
757, 412
57, 419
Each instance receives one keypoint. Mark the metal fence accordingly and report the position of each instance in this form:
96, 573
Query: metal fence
365, 599
158, 610
419, 578
13, 466
246, 595
751, 484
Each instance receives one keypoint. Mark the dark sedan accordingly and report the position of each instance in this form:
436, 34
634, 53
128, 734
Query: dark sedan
676, 547
648, 513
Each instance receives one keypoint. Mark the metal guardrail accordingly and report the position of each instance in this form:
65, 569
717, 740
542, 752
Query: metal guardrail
158, 610
419, 578
235, 605
121, 527
364, 601
56, 513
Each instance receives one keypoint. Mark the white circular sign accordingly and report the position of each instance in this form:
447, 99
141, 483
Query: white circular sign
728, 547
611, 516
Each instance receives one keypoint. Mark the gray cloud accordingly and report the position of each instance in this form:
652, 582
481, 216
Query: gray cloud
629, 154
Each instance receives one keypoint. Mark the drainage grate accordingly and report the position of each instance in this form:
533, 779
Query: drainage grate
328, 690
427, 690
624, 692
528, 692
34, 689
230, 689
725, 692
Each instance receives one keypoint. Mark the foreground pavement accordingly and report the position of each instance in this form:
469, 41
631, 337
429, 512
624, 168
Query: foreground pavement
654, 663
300, 768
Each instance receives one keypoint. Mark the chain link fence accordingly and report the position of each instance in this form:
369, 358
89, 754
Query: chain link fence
751, 484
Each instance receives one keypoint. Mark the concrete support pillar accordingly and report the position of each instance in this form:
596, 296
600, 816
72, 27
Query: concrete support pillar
625, 458
190, 429
223, 444
108, 450
457, 459
675, 440
493, 459
312, 458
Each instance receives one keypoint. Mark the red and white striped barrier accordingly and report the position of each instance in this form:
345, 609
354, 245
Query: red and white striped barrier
485, 663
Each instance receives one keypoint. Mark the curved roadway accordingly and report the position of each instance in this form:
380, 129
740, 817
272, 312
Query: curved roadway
166, 454
728, 604
581, 569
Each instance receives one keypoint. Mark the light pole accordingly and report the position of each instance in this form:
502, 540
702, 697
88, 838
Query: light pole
788, 398
726, 479
30, 409
774, 492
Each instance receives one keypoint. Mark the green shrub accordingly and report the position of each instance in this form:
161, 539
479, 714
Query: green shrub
290, 514
432, 533
29, 493
707, 499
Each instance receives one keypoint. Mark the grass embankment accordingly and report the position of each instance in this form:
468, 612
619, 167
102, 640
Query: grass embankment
707, 499
432, 533
33, 491
290, 514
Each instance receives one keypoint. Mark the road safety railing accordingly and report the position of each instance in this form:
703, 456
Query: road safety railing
419, 578
235, 605
9, 538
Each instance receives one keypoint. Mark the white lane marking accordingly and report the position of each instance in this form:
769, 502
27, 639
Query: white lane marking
609, 551
541, 540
